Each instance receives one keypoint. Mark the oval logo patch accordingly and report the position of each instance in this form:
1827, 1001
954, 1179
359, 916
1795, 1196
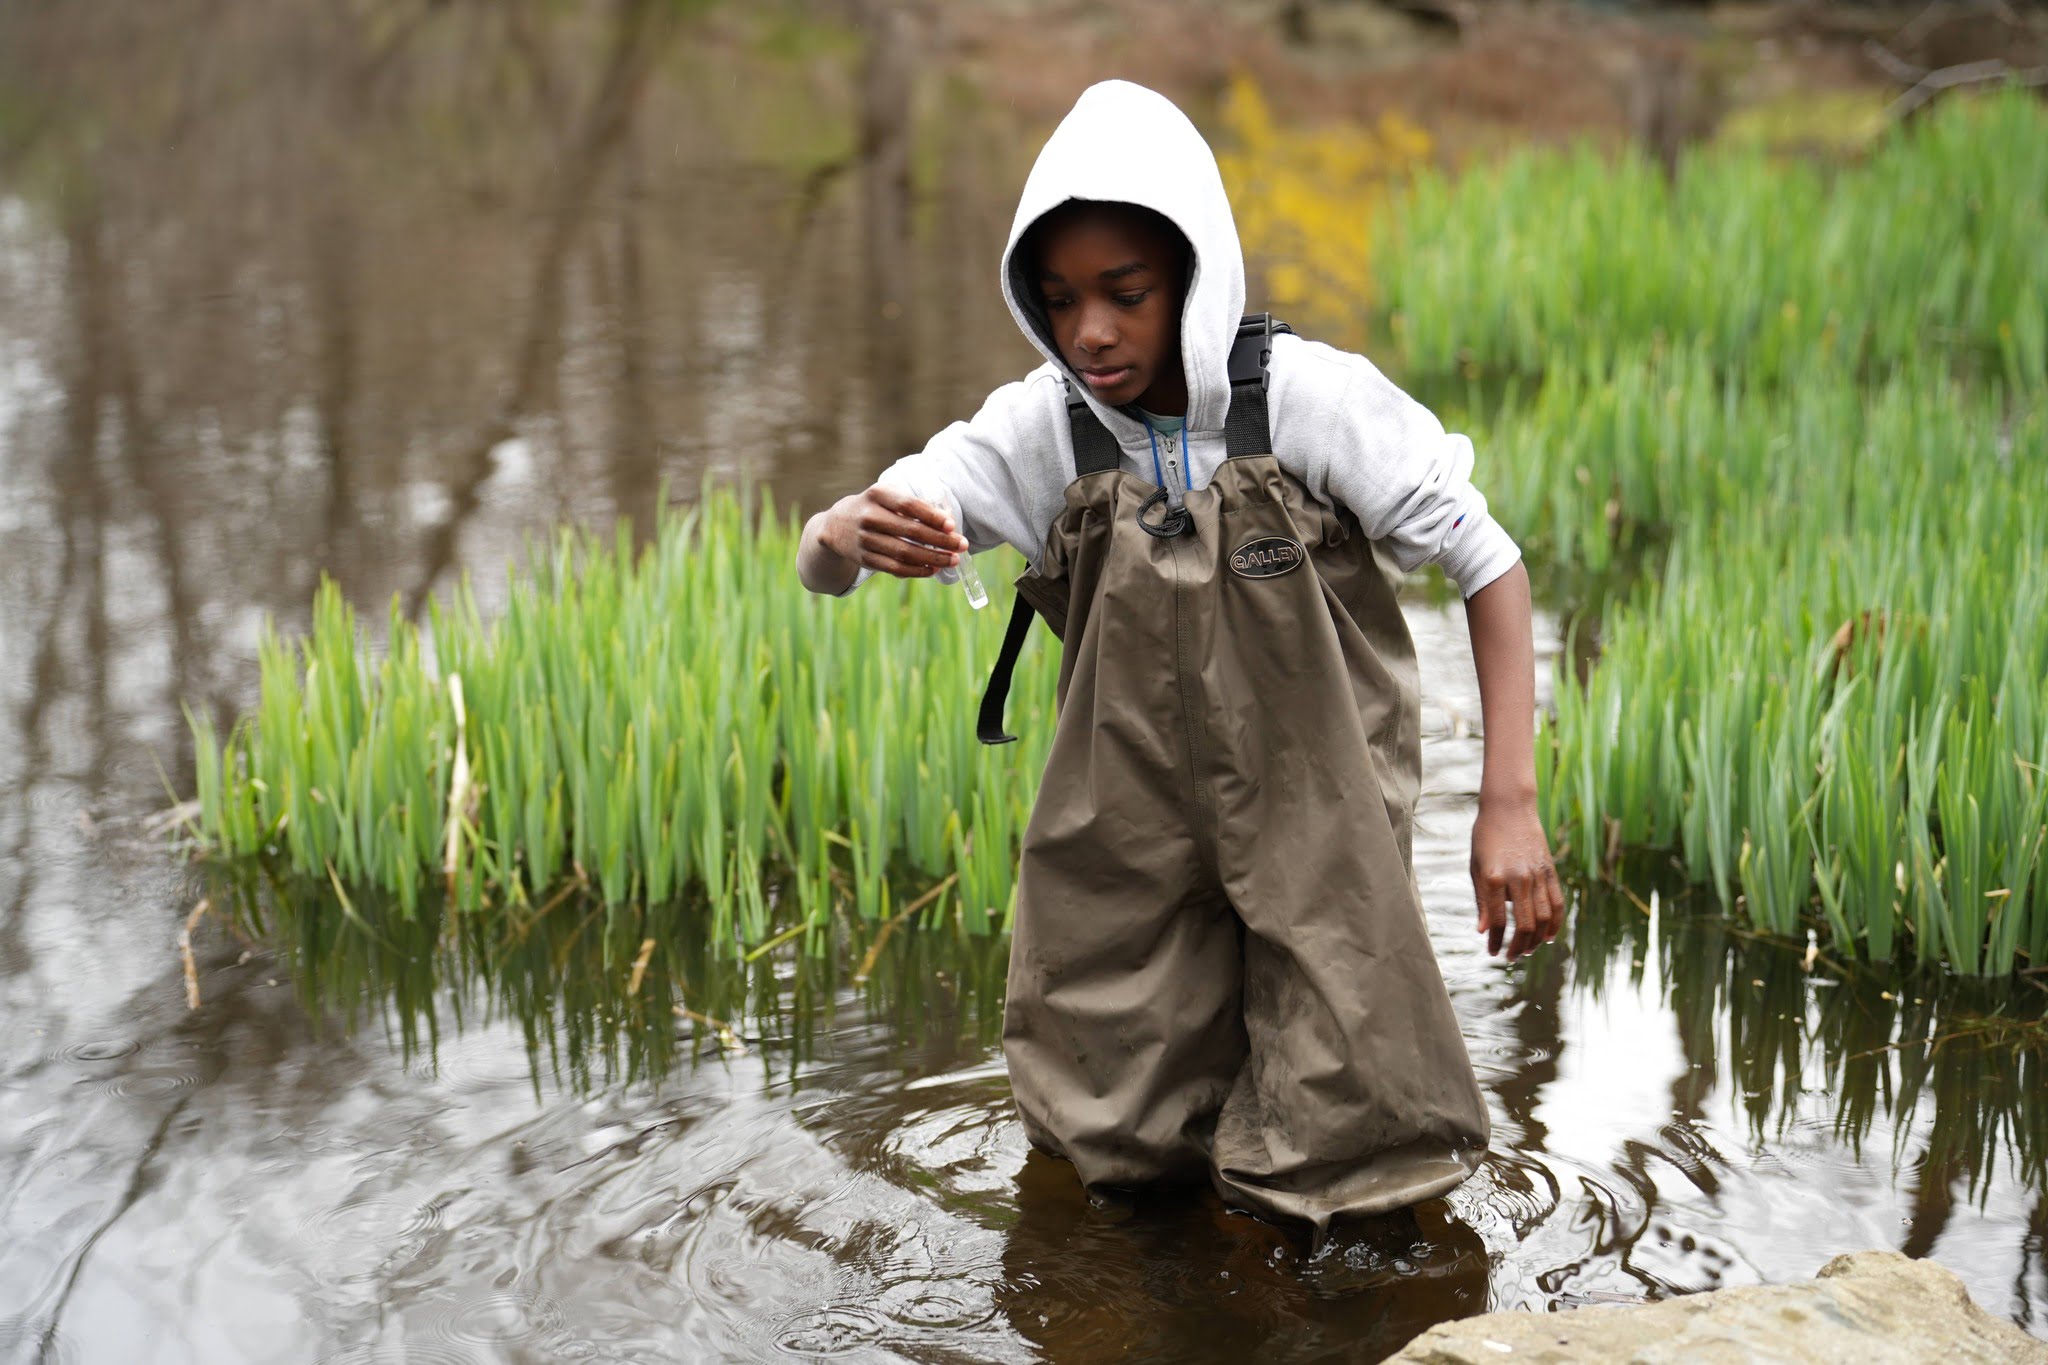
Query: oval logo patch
1266, 557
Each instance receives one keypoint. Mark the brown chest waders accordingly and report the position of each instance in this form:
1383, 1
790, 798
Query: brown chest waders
1219, 964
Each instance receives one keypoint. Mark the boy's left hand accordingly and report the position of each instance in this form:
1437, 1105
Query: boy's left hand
1511, 866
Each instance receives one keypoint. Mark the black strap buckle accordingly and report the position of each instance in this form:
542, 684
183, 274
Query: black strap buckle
1247, 427
1253, 349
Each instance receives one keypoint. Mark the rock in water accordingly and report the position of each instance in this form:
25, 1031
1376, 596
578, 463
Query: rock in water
1866, 1308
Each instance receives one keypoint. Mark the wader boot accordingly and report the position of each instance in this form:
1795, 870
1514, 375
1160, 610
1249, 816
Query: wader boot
1219, 965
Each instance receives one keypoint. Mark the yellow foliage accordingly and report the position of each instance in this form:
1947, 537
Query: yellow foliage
1304, 199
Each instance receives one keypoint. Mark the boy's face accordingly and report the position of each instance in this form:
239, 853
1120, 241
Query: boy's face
1111, 281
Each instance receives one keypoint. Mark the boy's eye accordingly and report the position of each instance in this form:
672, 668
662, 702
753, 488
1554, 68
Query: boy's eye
1127, 300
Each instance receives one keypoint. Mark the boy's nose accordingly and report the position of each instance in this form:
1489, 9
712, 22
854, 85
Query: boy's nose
1098, 330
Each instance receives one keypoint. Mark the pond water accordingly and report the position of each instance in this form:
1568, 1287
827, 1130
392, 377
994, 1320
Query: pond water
354, 300
814, 1167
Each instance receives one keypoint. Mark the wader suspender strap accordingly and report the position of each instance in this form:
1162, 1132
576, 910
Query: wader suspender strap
1095, 450
1246, 431
988, 726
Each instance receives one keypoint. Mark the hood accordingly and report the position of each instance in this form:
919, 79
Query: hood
1125, 142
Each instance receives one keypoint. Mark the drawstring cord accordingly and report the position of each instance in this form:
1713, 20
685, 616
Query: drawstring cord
1176, 521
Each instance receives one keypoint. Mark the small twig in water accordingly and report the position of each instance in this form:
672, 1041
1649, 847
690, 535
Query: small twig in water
727, 1038
772, 944
525, 927
168, 819
185, 951
639, 968
867, 964
1929, 1043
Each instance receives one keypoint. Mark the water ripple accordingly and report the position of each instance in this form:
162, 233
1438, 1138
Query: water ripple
927, 1303
99, 1050
475, 1063
147, 1083
830, 1331
370, 1223
505, 1319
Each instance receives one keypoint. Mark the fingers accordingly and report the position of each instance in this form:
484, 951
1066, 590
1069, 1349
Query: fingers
898, 554
1538, 899
1542, 921
1526, 932
887, 555
938, 545
919, 515
1521, 898
901, 535
1491, 887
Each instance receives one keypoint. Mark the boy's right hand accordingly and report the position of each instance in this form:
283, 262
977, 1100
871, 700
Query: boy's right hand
891, 532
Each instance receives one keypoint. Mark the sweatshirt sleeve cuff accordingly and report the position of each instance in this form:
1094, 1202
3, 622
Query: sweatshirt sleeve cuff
1484, 553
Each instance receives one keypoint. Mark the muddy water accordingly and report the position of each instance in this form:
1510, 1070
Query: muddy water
817, 1167
383, 300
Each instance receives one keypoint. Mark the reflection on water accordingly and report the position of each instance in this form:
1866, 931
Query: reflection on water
1852, 1050
518, 1149
382, 288
1846, 1046
594, 1002
1780, 1079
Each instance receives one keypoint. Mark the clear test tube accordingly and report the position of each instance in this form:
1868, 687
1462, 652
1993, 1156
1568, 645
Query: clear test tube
977, 595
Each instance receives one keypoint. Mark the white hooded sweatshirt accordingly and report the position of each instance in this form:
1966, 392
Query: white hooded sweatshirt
1338, 425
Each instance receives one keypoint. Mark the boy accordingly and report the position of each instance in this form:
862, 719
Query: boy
1219, 966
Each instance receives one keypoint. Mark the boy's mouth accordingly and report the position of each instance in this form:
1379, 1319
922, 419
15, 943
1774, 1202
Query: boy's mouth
1106, 379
